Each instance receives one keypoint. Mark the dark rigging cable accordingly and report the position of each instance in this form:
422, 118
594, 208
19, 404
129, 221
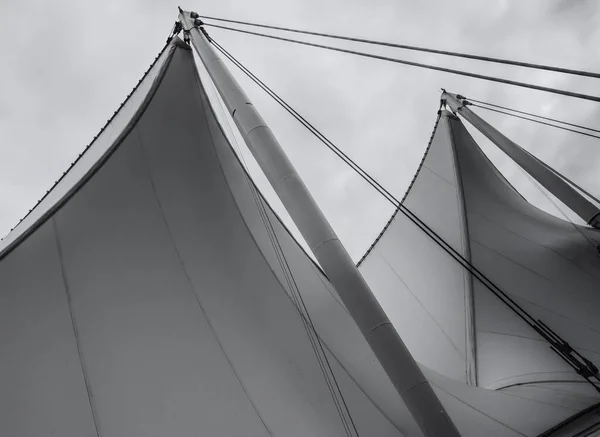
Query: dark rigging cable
579, 363
535, 121
419, 49
533, 115
421, 65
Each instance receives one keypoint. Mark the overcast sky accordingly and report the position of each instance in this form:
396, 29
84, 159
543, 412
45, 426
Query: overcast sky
67, 65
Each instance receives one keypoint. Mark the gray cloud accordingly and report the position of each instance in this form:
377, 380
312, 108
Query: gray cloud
72, 64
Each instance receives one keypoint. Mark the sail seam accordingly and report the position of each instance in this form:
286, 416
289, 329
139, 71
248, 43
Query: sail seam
470, 320
84, 371
456, 348
192, 288
542, 381
531, 374
550, 249
552, 404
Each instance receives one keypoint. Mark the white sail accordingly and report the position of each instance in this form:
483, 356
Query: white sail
152, 293
143, 306
548, 266
425, 292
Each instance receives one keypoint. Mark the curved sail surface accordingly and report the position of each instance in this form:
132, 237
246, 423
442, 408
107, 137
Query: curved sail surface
155, 293
143, 307
450, 320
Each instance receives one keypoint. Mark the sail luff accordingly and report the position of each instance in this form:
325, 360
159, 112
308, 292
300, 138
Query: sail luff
553, 183
397, 361
470, 330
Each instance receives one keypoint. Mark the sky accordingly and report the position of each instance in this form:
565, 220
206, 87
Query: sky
67, 66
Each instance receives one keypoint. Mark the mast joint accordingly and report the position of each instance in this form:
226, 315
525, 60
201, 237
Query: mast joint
595, 221
177, 27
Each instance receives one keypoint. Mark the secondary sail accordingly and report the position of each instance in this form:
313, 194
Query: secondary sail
450, 321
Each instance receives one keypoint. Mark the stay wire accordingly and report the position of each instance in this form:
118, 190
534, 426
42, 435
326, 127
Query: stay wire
533, 115
535, 121
417, 48
582, 190
305, 123
421, 65
558, 345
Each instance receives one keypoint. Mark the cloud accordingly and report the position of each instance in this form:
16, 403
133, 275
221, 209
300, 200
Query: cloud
73, 63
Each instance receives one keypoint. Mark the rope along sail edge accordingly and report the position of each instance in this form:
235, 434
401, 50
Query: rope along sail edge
313, 337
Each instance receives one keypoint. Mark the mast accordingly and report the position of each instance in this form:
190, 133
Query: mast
356, 295
540, 172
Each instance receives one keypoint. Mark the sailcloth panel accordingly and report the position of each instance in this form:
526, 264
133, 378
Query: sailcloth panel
426, 293
144, 307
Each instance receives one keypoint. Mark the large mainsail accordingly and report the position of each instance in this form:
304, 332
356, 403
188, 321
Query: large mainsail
153, 292
548, 266
141, 304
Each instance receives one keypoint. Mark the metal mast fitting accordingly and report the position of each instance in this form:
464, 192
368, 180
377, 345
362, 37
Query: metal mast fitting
364, 308
538, 170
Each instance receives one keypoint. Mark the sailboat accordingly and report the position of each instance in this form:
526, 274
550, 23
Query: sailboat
154, 291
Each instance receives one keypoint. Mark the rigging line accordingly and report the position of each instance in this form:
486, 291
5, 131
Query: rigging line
535, 121
557, 344
418, 48
298, 301
533, 115
308, 125
549, 119
421, 65
316, 344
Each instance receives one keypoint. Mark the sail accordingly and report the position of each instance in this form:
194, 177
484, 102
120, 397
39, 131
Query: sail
154, 292
450, 320
407, 270
140, 303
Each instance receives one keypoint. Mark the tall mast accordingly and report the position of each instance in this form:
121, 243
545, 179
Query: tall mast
540, 172
364, 308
